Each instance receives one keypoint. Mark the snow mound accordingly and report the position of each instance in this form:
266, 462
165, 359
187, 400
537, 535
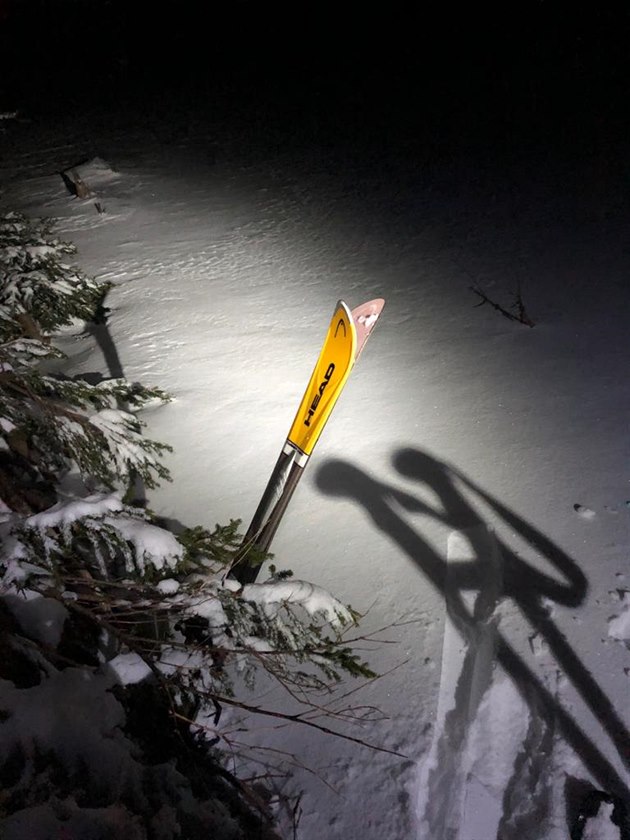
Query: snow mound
65, 737
619, 625
96, 173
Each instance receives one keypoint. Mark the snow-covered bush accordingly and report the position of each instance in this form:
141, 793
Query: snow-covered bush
91, 582
49, 423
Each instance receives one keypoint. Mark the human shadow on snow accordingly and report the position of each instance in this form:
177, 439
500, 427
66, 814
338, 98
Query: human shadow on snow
495, 572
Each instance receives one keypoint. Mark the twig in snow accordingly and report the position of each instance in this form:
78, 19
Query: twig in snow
296, 815
520, 315
258, 710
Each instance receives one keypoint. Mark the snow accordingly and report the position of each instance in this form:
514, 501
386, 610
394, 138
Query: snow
153, 545
76, 715
168, 586
619, 626
312, 598
601, 827
66, 512
469, 491
129, 668
44, 617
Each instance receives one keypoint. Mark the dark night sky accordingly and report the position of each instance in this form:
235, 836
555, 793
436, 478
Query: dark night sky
531, 74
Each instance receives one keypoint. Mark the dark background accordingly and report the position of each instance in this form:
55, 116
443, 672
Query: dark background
531, 75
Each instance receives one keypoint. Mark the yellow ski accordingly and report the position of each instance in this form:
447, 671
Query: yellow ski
346, 338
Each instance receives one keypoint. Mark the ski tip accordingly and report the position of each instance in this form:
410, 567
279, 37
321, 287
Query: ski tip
365, 317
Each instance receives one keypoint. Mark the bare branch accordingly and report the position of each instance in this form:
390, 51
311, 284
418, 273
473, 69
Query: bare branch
521, 315
258, 710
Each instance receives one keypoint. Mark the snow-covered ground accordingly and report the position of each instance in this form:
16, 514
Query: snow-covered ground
470, 491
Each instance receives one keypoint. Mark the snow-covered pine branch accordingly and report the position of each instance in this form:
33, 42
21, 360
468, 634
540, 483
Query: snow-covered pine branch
38, 282
49, 422
108, 558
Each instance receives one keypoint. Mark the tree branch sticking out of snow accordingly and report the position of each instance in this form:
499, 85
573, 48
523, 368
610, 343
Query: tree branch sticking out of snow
517, 312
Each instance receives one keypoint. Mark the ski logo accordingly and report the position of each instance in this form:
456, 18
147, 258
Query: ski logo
329, 372
327, 380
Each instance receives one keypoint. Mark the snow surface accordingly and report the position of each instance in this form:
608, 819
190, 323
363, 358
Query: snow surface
129, 668
471, 486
